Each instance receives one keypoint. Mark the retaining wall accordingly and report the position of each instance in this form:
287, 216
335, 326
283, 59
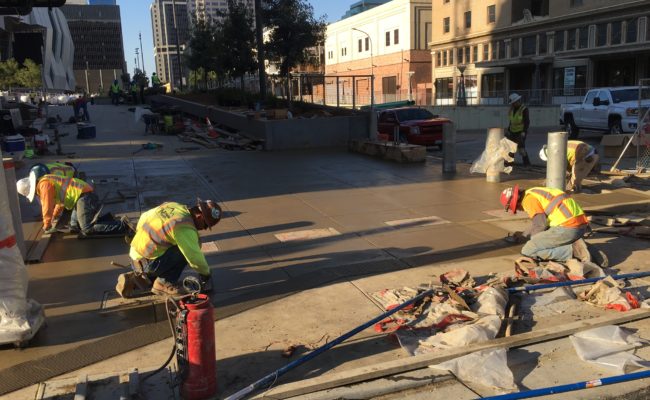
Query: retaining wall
483, 117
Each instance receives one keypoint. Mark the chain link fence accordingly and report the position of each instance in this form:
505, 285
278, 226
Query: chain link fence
643, 128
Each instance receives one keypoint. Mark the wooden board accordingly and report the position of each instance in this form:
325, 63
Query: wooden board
35, 253
356, 375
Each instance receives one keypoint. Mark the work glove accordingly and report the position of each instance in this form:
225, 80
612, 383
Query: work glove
516, 237
206, 283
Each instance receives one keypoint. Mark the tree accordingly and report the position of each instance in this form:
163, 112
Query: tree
294, 29
236, 30
9, 73
29, 75
201, 47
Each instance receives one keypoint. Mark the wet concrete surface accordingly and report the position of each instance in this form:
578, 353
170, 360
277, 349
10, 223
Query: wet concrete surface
264, 194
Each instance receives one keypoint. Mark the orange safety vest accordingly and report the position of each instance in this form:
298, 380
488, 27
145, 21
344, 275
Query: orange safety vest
68, 190
558, 206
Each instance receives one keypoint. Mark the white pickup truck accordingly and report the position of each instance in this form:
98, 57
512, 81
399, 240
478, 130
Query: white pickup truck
614, 110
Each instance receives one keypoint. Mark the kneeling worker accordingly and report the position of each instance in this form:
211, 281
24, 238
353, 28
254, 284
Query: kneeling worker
60, 168
581, 160
167, 240
557, 221
57, 193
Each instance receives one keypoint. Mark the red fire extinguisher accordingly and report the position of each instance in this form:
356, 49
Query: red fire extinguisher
195, 351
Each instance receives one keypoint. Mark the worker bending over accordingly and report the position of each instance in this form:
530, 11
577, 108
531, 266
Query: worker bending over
57, 193
167, 240
581, 160
59, 168
557, 221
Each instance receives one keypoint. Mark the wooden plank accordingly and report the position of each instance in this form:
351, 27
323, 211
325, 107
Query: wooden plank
356, 375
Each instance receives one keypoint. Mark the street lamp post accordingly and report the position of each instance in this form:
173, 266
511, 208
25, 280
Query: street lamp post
372, 69
142, 55
462, 95
87, 87
178, 48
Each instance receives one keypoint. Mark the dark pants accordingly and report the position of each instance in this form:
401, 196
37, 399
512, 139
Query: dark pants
167, 267
520, 139
84, 212
115, 98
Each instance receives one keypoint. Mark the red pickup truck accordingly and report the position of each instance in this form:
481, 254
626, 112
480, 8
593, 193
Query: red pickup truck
416, 125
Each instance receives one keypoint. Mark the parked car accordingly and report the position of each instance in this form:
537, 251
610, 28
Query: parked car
614, 110
415, 125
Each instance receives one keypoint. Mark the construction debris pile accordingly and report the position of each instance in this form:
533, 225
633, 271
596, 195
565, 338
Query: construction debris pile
212, 137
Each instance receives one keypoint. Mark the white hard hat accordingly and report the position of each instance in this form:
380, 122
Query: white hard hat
23, 186
514, 97
542, 154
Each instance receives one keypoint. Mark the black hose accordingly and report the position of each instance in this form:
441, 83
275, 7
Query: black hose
171, 326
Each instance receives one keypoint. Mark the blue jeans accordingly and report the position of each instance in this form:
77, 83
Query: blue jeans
84, 212
554, 244
167, 267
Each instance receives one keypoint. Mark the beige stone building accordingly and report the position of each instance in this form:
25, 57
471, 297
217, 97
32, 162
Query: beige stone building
550, 51
388, 41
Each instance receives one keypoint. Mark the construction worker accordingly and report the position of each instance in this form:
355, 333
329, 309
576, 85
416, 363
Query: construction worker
115, 93
155, 81
519, 121
167, 240
64, 169
57, 193
557, 221
134, 92
581, 160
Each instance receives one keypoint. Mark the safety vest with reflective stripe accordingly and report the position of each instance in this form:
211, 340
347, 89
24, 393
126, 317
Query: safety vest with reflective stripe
115, 88
571, 147
61, 169
154, 232
68, 190
155, 80
557, 205
517, 120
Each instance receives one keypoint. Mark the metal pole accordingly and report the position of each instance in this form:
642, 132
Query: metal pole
87, 87
373, 115
272, 377
142, 55
14, 204
449, 147
572, 386
493, 172
338, 101
556, 164
531, 288
354, 93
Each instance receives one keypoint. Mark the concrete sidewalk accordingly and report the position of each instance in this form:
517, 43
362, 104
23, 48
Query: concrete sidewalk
387, 222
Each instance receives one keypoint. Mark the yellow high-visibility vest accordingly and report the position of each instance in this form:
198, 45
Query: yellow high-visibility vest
154, 233
558, 206
517, 120
61, 169
68, 190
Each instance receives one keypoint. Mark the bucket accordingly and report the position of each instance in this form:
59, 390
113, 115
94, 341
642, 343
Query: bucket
15, 146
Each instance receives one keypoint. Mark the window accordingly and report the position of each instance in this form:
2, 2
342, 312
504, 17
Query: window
330, 54
492, 85
617, 27
571, 40
575, 3
583, 37
491, 14
467, 61
543, 43
444, 88
451, 56
589, 99
387, 38
367, 43
601, 35
438, 59
396, 36
529, 45
344, 51
468, 19
493, 52
444, 57
445, 25
475, 54
445, 1
558, 41
502, 50
360, 45
461, 54
631, 30
566, 87
486, 51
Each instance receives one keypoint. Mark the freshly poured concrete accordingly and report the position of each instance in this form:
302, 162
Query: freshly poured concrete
264, 194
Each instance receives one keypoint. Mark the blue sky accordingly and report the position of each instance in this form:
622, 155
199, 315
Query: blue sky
136, 18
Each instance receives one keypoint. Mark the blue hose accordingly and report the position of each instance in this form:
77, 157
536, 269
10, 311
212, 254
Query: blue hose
272, 377
572, 386
531, 288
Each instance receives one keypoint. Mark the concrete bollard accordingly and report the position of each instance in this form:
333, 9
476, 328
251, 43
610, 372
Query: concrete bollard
449, 147
14, 205
556, 164
494, 136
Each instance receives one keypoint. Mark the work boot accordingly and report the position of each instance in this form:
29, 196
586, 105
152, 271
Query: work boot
166, 289
526, 160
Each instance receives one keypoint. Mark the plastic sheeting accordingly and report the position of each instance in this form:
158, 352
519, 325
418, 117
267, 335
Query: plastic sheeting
494, 156
19, 319
609, 346
488, 368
